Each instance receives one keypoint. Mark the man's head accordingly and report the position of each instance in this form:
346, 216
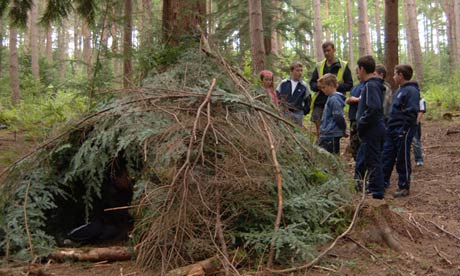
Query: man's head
380, 71
366, 66
329, 51
328, 84
296, 70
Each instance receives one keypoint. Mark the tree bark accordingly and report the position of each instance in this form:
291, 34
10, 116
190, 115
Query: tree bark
415, 41
87, 48
364, 43
448, 7
256, 35
457, 32
181, 18
408, 39
127, 44
115, 50
62, 49
34, 40
318, 29
378, 28
14, 65
76, 38
326, 15
391, 39
49, 43
351, 57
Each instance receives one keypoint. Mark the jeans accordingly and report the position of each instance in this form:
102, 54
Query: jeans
417, 144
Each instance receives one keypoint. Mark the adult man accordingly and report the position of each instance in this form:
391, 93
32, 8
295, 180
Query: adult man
370, 128
401, 127
336, 66
294, 95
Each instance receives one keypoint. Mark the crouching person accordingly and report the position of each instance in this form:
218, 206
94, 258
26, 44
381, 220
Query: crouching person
294, 95
333, 125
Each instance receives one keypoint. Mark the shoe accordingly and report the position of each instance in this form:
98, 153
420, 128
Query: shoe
401, 193
419, 163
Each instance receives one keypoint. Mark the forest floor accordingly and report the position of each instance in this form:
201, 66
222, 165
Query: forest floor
427, 226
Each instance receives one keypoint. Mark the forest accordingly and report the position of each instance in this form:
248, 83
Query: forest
143, 119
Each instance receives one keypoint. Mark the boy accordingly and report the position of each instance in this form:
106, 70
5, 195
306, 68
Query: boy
370, 128
294, 95
417, 141
333, 125
381, 72
400, 129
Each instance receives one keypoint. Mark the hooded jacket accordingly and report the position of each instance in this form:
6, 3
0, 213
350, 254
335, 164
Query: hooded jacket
405, 106
333, 123
299, 100
370, 107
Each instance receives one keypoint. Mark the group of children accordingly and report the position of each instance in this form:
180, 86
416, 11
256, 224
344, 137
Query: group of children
382, 124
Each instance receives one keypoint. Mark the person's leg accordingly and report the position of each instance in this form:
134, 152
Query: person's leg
327, 143
389, 156
354, 140
403, 165
417, 145
373, 158
336, 145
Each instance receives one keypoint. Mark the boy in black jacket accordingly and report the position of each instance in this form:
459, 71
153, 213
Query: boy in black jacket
401, 126
370, 128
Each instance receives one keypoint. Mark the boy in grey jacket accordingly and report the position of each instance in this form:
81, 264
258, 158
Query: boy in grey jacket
333, 125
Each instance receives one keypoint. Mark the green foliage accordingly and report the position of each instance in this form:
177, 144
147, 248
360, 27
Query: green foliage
441, 92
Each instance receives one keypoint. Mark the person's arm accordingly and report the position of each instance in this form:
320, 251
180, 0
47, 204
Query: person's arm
314, 81
419, 118
347, 83
337, 114
411, 108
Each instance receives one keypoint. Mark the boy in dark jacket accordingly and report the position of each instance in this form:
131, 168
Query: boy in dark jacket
294, 95
401, 127
333, 125
353, 102
370, 128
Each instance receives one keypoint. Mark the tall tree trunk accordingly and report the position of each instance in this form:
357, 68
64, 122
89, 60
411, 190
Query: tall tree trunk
14, 65
350, 33
87, 48
49, 43
391, 39
181, 18
415, 41
256, 36
408, 39
378, 28
438, 39
318, 29
62, 49
448, 7
326, 15
115, 50
76, 38
34, 40
127, 44
1, 48
364, 43
457, 32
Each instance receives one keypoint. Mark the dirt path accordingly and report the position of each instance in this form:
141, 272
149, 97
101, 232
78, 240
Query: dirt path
434, 204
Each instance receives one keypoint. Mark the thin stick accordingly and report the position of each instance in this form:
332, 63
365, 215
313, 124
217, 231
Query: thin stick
279, 184
444, 230
24, 208
312, 263
374, 255
441, 255
331, 213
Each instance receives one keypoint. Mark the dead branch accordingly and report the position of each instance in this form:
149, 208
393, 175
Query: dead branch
441, 254
441, 228
374, 255
452, 131
111, 254
350, 227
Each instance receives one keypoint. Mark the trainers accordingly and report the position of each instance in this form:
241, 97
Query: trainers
401, 193
419, 163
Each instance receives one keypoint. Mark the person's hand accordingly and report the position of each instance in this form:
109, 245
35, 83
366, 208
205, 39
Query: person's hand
346, 134
352, 99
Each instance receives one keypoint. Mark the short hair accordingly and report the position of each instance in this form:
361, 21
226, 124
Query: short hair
294, 65
405, 70
329, 79
381, 70
368, 63
327, 44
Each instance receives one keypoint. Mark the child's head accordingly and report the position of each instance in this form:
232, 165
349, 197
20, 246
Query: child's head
328, 84
405, 71
296, 70
380, 71
267, 78
366, 63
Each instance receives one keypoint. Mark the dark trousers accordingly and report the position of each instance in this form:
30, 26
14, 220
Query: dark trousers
331, 144
396, 150
369, 159
354, 139
417, 144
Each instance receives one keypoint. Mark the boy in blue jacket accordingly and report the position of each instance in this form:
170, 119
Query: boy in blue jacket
371, 130
333, 125
401, 126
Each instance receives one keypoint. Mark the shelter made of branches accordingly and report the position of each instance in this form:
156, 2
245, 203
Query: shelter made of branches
204, 160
